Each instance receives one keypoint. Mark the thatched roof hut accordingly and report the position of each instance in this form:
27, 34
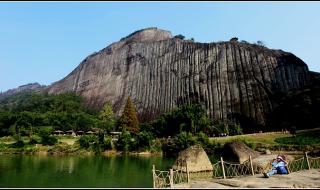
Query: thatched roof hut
58, 132
195, 158
238, 152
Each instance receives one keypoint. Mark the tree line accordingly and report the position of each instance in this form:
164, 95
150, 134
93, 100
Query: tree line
29, 113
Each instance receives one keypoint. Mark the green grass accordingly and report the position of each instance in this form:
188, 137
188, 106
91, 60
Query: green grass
302, 138
276, 141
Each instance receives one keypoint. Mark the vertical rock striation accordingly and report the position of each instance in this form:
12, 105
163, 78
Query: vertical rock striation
231, 80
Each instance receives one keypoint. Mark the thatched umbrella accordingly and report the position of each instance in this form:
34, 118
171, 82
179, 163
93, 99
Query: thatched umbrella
195, 158
70, 132
58, 131
90, 132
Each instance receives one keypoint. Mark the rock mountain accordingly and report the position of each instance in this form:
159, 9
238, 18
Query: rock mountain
232, 80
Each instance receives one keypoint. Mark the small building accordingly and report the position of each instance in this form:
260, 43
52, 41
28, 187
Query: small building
80, 132
95, 130
71, 132
58, 132
115, 134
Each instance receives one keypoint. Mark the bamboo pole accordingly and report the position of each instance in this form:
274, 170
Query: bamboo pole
306, 155
153, 175
188, 175
224, 174
171, 178
252, 171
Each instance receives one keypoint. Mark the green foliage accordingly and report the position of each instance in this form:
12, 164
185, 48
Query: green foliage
304, 138
124, 142
107, 117
18, 144
187, 117
184, 140
107, 112
46, 138
144, 140
107, 145
129, 119
23, 113
203, 139
86, 140
33, 141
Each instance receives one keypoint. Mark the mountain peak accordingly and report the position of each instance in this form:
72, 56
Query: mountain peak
148, 34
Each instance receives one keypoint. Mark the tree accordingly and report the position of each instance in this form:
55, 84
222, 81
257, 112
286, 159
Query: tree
107, 112
261, 43
129, 119
46, 138
180, 36
107, 116
234, 39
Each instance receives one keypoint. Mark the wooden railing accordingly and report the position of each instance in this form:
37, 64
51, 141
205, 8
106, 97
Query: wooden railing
222, 169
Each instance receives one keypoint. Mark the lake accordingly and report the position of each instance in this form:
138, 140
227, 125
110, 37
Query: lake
79, 171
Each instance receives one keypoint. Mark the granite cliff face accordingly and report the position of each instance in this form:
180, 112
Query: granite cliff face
231, 80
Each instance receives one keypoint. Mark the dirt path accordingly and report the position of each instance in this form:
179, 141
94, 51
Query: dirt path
300, 179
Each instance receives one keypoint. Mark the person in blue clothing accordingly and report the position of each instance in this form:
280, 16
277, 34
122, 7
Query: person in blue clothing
278, 167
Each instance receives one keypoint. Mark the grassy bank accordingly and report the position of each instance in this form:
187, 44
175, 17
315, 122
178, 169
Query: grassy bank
304, 140
66, 145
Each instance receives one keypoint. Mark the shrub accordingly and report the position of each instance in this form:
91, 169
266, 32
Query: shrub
156, 145
124, 141
183, 140
144, 139
18, 144
235, 129
33, 141
46, 138
179, 36
86, 140
107, 144
203, 139
234, 39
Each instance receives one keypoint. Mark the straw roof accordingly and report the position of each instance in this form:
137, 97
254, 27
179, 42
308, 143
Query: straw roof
90, 132
58, 131
195, 158
237, 151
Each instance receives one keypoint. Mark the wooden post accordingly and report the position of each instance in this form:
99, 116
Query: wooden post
154, 175
171, 178
188, 176
306, 155
252, 171
224, 174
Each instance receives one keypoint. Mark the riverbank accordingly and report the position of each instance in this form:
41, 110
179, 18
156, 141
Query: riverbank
57, 150
66, 145
299, 179
304, 141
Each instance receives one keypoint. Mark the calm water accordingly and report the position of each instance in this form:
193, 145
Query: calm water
79, 171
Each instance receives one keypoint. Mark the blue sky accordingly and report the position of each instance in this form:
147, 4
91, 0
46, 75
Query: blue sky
43, 42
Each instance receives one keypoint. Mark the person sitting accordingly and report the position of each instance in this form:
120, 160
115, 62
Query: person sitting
279, 166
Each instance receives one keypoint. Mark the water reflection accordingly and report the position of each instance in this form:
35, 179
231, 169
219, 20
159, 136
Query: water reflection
78, 171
